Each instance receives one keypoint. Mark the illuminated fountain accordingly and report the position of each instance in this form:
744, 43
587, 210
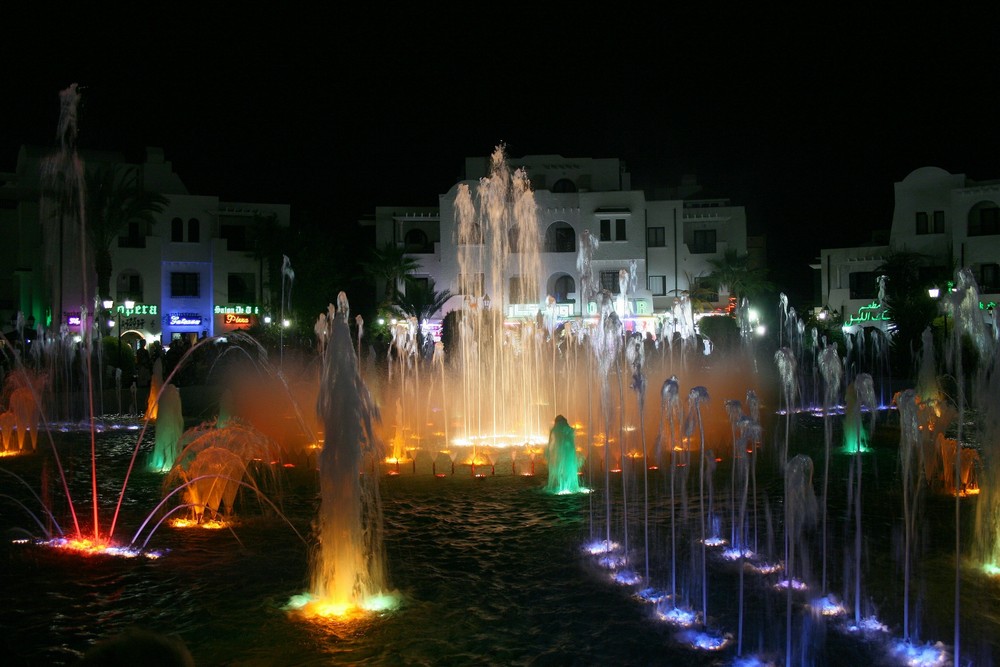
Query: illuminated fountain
20, 422
169, 427
503, 397
348, 570
486, 404
561, 459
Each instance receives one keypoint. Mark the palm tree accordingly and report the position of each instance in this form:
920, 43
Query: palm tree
115, 198
422, 300
733, 273
911, 309
268, 240
390, 264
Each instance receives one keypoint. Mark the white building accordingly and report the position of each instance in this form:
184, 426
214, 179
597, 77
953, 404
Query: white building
950, 219
666, 245
193, 272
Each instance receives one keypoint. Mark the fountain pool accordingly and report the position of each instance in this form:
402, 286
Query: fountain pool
490, 570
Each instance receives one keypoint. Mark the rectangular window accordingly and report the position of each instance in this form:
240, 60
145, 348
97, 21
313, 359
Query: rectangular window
129, 287
620, 229
656, 237
242, 288
177, 230
470, 284
939, 222
516, 289
657, 285
984, 221
605, 230
864, 285
134, 239
609, 281
988, 278
236, 237
921, 222
704, 241
184, 284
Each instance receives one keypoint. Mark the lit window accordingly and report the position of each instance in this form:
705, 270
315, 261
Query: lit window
657, 285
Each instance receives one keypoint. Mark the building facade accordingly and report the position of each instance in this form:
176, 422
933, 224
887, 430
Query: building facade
662, 247
949, 220
194, 272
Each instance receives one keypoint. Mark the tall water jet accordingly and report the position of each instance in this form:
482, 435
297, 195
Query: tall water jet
348, 570
859, 394
785, 360
800, 513
910, 455
635, 352
696, 397
502, 384
670, 421
832, 371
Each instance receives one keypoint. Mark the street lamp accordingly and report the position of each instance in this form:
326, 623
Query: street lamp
934, 293
129, 305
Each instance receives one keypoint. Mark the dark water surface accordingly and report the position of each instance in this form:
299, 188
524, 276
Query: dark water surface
491, 571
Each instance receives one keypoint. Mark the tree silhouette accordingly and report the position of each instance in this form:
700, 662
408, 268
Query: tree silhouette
733, 272
389, 265
115, 197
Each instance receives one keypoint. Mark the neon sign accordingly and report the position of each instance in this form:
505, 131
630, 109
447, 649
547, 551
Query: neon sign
232, 319
137, 309
639, 307
873, 312
185, 320
237, 310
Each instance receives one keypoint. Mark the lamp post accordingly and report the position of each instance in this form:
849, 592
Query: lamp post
129, 305
934, 293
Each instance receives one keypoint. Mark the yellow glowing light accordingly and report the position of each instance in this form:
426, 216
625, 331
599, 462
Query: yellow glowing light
191, 523
342, 610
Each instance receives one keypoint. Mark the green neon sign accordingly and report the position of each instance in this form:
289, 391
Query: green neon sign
873, 312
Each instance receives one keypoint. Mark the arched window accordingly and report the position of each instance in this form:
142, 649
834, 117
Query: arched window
194, 230
984, 219
563, 286
564, 185
560, 237
415, 241
177, 230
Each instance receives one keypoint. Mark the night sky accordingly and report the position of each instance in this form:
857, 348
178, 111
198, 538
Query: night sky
806, 116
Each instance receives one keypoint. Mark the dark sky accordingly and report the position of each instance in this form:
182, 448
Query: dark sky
806, 116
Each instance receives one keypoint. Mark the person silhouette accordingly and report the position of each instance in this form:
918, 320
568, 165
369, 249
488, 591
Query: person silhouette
138, 646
